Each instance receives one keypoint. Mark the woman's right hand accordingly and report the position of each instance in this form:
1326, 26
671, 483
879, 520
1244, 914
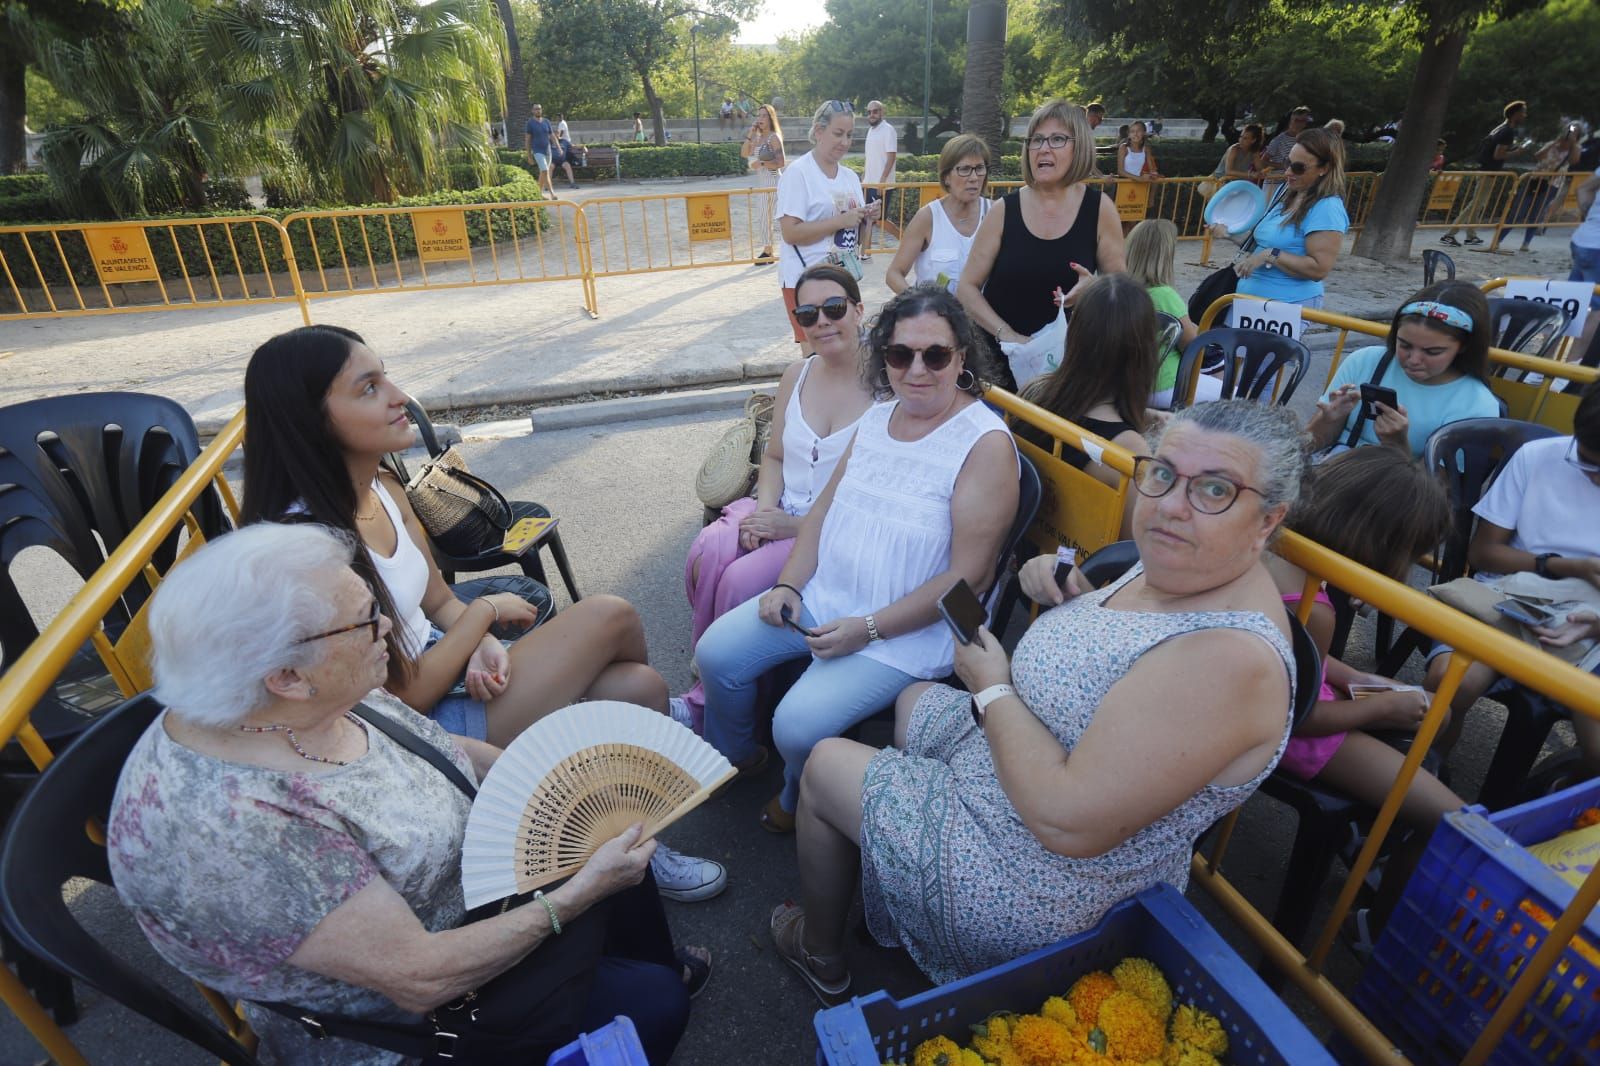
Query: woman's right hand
1038, 578
775, 601
514, 610
850, 219
617, 864
1579, 626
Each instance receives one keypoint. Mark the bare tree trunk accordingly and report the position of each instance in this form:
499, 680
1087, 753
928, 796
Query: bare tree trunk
13, 111
986, 64
516, 79
1393, 220
653, 99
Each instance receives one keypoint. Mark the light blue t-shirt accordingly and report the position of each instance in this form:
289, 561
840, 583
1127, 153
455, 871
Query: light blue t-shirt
1427, 406
1267, 282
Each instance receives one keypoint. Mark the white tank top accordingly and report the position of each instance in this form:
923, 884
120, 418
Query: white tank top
808, 460
888, 530
947, 249
1133, 163
405, 575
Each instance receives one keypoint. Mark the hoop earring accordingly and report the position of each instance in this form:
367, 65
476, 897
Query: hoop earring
972, 380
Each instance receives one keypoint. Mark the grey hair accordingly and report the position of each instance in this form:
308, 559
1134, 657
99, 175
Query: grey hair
1273, 430
826, 114
229, 616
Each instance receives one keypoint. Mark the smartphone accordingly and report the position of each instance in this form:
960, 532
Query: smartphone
963, 612
1065, 558
1371, 394
789, 621
1526, 613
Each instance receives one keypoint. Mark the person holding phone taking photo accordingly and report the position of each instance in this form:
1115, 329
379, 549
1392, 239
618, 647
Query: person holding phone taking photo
1435, 361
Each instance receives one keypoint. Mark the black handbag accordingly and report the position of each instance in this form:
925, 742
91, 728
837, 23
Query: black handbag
463, 514
1224, 281
523, 1015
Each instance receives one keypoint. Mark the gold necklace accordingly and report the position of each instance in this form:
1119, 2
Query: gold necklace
374, 515
294, 741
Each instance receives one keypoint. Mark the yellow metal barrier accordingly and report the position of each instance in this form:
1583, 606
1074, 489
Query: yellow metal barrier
1541, 199
679, 231
103, 268
1565, 350
1529, 400
1468, 199
374, 250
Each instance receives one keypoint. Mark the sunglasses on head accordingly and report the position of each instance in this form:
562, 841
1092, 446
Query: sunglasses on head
935, 357
834, 307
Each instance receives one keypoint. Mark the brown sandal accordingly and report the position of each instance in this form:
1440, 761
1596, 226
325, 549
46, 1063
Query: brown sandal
774, 819
788, 935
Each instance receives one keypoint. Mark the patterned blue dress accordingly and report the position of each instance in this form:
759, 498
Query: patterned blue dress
950, 871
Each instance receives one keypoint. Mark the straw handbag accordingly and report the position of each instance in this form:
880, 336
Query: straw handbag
729, 471
574, 780
461, 512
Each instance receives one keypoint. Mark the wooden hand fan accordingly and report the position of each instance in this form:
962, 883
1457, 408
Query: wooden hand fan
574, 780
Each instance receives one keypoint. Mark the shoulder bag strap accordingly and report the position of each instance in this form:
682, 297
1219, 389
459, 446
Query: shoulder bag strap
1248, 245
1353, 438
418, 747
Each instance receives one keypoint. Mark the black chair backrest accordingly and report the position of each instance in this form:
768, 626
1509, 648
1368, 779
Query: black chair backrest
1466, 456
1029, 492
1253, 360
1109, 563
1434, 261
1525, 326
77, 473
1168, 330
1307, 669
45, 846
425, 430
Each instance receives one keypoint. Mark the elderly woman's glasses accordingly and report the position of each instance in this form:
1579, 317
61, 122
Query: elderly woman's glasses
935, 356
1040, 141
1586, 469
834, 307
1208, 493
370, 622
967, 170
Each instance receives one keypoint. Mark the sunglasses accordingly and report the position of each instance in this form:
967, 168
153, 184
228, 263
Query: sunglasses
1300, 168
369, 622
935, 357
840, 107
834, 307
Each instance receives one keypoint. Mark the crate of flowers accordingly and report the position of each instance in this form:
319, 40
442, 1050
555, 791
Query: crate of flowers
1481, 903
1151, 983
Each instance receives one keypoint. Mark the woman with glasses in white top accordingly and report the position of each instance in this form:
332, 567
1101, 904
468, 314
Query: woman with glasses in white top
939, 238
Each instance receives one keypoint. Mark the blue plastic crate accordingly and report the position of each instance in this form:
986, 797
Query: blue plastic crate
615, 1044
1459, 938
1158, 924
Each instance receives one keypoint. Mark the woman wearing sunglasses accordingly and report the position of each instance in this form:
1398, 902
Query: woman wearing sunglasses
1083, 769
820, 399
939, 237
1041, 240
921, 499
820, 203
323, 414
1298, 241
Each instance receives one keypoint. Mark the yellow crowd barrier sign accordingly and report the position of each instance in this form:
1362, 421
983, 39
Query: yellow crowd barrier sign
121, 253
1133, 200
441, 235
1442, 197
709, 217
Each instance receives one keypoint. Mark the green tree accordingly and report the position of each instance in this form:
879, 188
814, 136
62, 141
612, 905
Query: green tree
24, 26
981, 110
375, 94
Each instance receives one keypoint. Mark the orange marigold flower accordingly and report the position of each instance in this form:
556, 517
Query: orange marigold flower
1189, 1055
1141, 978
1589, 816
940, 1051
1132, 1029
1088, 993
1042, 1042
971, 1058
1191, 1025
1058, 1009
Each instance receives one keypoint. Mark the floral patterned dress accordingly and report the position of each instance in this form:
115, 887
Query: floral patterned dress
950, 871
228, 867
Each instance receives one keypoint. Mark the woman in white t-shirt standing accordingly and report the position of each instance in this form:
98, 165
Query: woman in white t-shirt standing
939, 237
763, 148
820, 203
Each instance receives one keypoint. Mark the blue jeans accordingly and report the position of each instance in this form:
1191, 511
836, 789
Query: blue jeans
830, 697
1586, 267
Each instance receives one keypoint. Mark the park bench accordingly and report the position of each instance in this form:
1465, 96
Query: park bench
602, 163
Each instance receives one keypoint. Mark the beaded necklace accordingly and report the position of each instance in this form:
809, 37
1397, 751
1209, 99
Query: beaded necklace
294, 741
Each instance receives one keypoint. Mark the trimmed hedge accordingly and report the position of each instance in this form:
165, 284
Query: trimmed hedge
35, 203
23, 185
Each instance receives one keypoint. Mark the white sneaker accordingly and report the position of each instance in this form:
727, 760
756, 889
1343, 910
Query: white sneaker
678, 707
684, 878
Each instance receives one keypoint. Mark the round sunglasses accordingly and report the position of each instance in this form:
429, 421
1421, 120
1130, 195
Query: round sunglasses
834, 307
935, 356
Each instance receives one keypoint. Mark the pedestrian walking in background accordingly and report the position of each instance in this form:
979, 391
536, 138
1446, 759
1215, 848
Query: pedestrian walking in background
1500, 145
638, 127
539, 136
763, 148
882, 149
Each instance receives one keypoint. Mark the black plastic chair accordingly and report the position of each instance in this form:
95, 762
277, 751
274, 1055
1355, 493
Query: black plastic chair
1525, 326
1433, 261
1168, 330
1109, 563
490, 557
1002, 598
46, 845
1251, 360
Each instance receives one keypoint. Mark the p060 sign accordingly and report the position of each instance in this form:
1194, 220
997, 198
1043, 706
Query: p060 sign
1269, 316
1571, 296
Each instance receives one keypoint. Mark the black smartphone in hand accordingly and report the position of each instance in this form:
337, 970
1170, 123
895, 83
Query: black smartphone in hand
963, 612
789, 621
1371, 394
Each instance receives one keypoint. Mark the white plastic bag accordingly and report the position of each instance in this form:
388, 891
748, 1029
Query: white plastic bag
1040, 354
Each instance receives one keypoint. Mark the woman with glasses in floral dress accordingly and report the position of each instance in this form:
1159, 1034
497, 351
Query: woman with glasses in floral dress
1040, 240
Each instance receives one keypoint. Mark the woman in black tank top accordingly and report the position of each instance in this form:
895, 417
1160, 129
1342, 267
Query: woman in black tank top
1010, 279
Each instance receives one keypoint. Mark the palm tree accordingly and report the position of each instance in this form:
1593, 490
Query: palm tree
986, 64
375, 95
516, 110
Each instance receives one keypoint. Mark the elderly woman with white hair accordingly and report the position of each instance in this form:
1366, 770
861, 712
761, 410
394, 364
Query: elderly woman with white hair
292, 838
1083, 769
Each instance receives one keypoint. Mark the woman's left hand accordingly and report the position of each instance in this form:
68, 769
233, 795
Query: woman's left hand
1084, 275
488, 671
841, 637
1392, 426
983, 662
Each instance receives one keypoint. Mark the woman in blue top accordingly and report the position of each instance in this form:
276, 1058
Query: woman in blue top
1298, 241
1438, 367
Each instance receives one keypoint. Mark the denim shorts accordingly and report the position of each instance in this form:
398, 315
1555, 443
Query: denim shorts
458, 712
1586, 267
543, 161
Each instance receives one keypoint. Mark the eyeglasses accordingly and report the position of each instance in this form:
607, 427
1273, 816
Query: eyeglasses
834, 307
1207, 493
371, 621
967, 170
1586, 469
1052, 140
839, 106
935, 356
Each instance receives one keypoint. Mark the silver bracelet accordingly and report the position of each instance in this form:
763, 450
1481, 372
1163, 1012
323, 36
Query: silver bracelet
873, 635
493, 608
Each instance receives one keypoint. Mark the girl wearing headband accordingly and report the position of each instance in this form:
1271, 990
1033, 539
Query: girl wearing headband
1436, 360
